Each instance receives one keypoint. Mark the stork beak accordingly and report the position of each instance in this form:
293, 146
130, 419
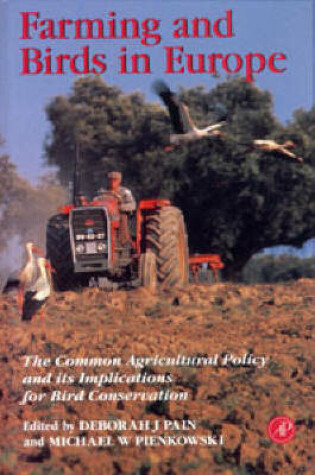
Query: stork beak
37, 250
49, 267
289, 144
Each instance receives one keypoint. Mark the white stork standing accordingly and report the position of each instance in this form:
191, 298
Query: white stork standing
26, 276
36, 297
273, 146
183, 126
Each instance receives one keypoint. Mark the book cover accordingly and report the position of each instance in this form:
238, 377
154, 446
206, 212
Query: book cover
157, 216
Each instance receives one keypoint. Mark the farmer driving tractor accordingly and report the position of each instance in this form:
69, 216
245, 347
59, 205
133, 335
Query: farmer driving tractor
126, 201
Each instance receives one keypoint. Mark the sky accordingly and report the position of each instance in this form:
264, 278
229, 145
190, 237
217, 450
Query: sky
259, 26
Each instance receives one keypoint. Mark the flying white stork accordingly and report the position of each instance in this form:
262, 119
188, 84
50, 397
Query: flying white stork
37, 296
24, 279
183, 126
273, 146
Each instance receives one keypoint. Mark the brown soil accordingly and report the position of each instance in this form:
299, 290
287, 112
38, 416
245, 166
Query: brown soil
274, 320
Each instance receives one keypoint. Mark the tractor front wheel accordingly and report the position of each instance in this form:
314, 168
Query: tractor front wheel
58, 251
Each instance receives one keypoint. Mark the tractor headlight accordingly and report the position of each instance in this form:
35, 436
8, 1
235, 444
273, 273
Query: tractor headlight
79, 248
79, 237
101, 247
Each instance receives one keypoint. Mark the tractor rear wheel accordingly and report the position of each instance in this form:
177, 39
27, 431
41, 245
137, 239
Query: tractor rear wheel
58, 251
165, 235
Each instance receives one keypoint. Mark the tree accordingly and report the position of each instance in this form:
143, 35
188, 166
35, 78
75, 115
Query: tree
267, 269
29, 208
242, 201
236, 200
7, 173
24, 208
111, 130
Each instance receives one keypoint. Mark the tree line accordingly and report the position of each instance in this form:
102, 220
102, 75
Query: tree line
236, 200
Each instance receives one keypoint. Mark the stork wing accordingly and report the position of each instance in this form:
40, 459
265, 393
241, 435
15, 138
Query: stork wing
185, 117
172, 103
265, 142
218, 125
41, 288
30, 306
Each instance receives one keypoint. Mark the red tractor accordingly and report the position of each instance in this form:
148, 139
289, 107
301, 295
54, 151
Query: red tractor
85, 247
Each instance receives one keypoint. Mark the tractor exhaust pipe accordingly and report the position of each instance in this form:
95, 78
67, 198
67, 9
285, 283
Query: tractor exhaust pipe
76, 176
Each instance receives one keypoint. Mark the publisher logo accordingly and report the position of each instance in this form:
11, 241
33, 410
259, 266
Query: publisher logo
281, 429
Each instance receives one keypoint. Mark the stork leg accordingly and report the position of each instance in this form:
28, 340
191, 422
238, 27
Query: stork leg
42, 317
20, 297
33, 342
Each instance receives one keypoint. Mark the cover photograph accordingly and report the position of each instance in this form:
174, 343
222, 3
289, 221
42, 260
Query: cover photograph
157, 252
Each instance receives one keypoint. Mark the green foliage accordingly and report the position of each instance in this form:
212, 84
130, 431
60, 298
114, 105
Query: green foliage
113, 131
241, 201
265, 269
236, 201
